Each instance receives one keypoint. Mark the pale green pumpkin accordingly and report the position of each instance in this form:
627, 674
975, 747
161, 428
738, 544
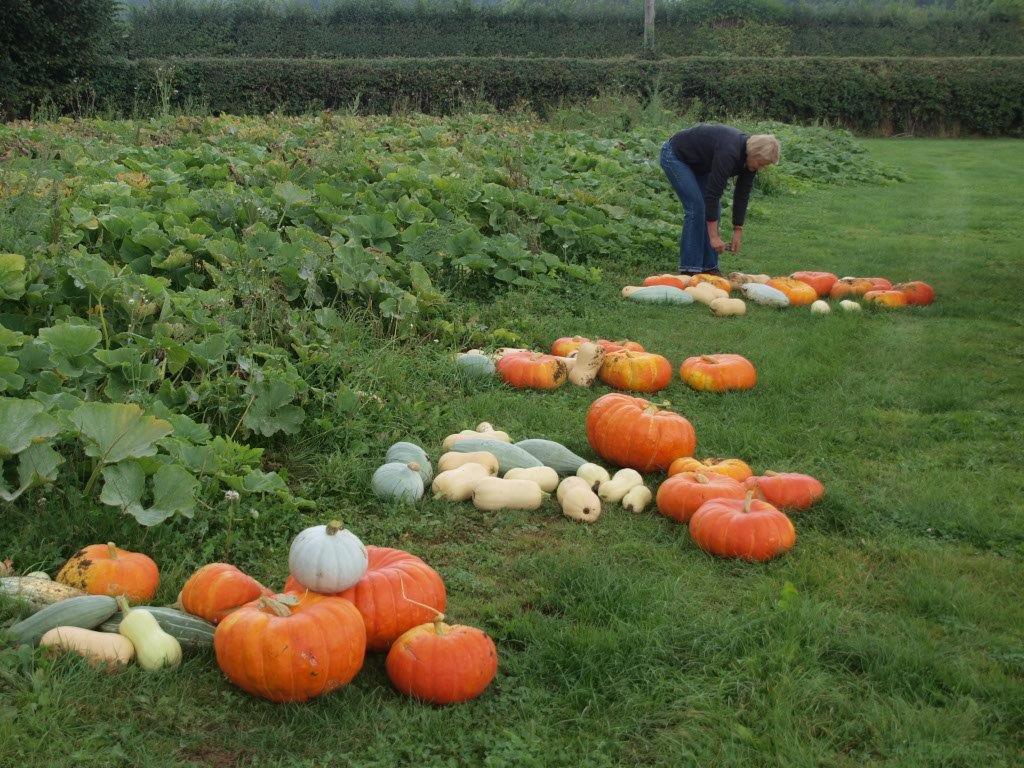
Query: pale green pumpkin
398, 481
409, 453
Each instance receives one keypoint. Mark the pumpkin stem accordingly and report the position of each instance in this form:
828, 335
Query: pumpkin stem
275, 607
709, 359
414, 466
333, 527
122, 604
112, 548
439, 624
770, 473
747, 501
702, 478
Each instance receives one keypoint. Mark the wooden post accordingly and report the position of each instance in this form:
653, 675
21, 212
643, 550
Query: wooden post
648, 25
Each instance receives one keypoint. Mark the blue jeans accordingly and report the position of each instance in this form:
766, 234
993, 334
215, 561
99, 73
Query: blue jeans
695, 251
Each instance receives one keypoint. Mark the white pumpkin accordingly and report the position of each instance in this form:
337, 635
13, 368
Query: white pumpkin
820, 307
327, 558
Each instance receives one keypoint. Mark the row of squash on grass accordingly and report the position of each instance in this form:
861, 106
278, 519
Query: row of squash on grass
799, 289
623, 365
730, 511
341, 600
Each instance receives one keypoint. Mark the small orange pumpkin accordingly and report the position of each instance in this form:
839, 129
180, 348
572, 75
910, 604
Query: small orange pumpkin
442, 663
737, 469
676, 281
531, 370
632, 432
216, 589
618, 346
566, 345
918, 294
787, 490
887, 298
747, 528
718, 373
847, 287
799, 293
635, 371
880, 283
104, 569
683, 494
398, 592
291, 647
715, 280
821, 282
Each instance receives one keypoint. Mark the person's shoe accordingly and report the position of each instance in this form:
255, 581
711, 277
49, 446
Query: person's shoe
716, 271
689, 272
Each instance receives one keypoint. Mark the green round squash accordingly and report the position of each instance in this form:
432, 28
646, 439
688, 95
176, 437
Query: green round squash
409, 453
398, 481
475, 364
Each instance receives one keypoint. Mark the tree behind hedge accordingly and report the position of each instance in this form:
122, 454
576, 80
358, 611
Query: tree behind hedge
49, 48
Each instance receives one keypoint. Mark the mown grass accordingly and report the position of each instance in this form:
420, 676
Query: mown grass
891, 635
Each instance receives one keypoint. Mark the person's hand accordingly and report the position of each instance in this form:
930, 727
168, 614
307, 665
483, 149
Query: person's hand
737, 239
717, 244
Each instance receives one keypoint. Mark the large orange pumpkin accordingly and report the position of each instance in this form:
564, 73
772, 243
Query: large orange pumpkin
737, 469
716, 280
887, 298
103, 569
531, 370
683, 494
746, 528
718, 373
290, 647
918, 294
398, 592
821, 282
632, 432
636, 371
849, 287
216, 589
566, 345
442, 663
676, 281
799, 293
787, 490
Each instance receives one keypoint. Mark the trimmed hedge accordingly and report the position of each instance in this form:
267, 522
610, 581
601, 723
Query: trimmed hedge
982, 96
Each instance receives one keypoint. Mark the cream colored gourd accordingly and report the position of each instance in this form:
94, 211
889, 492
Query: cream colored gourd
614, 490
594, 474
458, 484
154, 648
578, 500
454, 460
483, 430
589, 357
102, 647
637, 498
705, 293
820, 307
849, 306
545, 477
38, 575
738, 279
728, 307
494, 493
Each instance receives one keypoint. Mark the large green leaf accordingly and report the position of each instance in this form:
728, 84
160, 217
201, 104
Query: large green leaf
12, 276
113, 432
71, 344
22, 423
271, 410
174, 491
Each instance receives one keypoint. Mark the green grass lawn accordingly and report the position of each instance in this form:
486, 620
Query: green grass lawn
892, 634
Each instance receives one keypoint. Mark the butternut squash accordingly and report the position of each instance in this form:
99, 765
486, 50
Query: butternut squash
728, 307
454, 460
578, 500
545, 477
458, 484
154, 648
494, 493
705, 293
594, 474
637, 498
589, 358
490, 433
615, 490
97, 647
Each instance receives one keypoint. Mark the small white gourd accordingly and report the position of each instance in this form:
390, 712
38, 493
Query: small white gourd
578, 500
545, 477
637, 498
728, 307
615, 489
454, 459
327, 558
458, 484
494, 493
154, 648
398, 481
820, 307
594, 474
849, 306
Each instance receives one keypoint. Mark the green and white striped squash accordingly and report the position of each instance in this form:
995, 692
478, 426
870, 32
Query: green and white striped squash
84, 612
191, 632
661, 294
509, 456
552, 454
398, 481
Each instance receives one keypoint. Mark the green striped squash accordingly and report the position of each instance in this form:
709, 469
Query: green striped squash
509, 456
85, 612
190, 631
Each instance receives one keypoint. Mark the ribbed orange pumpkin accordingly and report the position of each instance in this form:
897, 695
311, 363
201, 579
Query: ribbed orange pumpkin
737, 469
103, 569
566, 345
887, 298
746, 528
676, 281
392, 595
716, 280
442, 663
616, 346
632, 432
683, 494
798, 293
918, 294
846, 287
821, 282
787, 490
216, 589
880, 283
291, 648
636, 371
718, 373
531, 370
